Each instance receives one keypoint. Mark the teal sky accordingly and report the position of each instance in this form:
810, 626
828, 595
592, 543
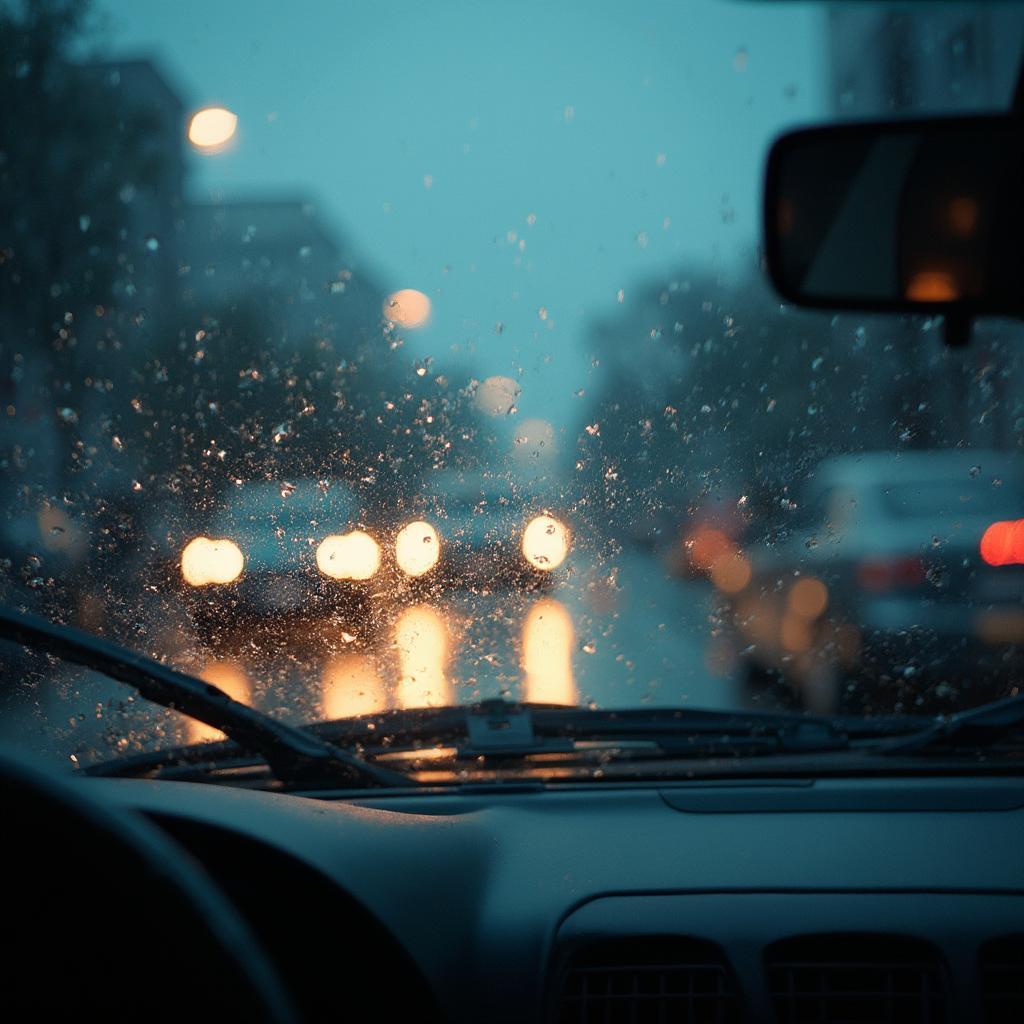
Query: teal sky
630, 134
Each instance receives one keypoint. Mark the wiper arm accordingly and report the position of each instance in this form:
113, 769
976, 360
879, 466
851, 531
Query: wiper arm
291, 753
978, 727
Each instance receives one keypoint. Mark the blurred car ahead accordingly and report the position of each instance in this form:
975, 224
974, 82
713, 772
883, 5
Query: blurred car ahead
278, 549
902, 583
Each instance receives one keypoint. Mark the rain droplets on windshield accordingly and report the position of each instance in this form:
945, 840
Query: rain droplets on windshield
357, 362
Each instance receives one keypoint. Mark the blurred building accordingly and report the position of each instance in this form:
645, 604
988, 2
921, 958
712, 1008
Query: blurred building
924, 57
282, 251
140, 96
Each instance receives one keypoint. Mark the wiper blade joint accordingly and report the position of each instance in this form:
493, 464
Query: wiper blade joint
980, 726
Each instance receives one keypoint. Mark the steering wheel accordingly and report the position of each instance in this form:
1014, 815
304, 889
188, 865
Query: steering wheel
105, 918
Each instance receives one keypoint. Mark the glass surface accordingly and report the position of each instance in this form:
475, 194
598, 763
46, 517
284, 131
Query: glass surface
441, 332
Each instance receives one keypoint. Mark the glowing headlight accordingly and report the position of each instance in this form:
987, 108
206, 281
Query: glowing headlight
417, 548
348, 556
545, 543
206, 561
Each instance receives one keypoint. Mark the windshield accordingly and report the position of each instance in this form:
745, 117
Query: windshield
388, 355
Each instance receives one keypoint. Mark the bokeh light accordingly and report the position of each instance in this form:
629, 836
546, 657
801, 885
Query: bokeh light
545, 543
229, 676
730, 572
407, 308
211, 128
534, 441
808, 598
421, 638
547, 654
348, 556
1003, 543
352, 686
205, 562
417, 548
706, 545
932, 286
496, 396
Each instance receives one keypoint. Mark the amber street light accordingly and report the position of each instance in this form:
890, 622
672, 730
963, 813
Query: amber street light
212, 128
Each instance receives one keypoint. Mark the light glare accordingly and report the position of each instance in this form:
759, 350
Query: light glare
212, 127
206, 561
407, 308
348, 556
417, 548
545, 543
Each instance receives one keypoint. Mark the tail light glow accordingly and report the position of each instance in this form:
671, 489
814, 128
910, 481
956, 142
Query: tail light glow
1003, 543
880, 575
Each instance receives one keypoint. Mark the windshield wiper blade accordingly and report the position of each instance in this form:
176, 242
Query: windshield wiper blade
975, 728
497, 728
291, 753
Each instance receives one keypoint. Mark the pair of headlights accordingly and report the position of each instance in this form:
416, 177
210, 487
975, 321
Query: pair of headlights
356, 555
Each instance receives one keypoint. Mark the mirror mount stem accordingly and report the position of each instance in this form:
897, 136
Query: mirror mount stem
956, 330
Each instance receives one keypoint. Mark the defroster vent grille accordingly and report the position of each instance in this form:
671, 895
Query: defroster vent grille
856, 979
1001, 969
659, 980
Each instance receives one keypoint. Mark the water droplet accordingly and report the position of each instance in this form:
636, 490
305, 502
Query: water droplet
588, 647
287, 490
152, 243
975, 470
83, 222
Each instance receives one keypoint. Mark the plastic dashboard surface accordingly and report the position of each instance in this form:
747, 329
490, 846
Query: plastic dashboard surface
482, 890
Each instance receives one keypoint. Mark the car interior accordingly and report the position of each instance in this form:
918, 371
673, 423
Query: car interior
844, 855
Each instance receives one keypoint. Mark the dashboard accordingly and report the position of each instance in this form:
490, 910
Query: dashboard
825, 900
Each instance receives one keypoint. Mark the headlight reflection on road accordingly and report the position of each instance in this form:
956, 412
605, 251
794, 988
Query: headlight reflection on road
348, 556
229, 676
206, 561
421, 637
547, 654
352, 686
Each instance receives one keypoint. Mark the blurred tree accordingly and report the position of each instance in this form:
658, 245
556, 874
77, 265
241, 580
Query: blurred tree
713, 391
64, 161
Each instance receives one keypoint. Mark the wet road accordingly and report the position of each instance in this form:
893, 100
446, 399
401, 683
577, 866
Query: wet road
618, 634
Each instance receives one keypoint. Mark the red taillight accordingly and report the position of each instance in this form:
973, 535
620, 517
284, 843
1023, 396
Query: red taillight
1003, 543
882, 574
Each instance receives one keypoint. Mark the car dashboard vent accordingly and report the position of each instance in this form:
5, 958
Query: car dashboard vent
1001, 968
656, 980
856, 979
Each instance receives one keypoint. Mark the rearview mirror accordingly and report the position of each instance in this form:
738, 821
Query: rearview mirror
911, 216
